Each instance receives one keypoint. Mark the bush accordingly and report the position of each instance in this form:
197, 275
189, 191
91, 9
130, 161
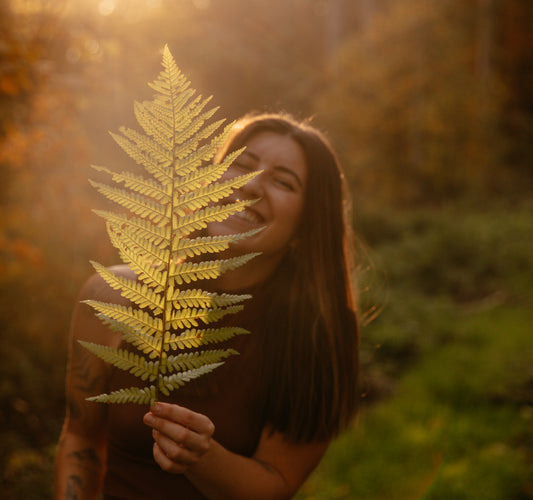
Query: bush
467, 256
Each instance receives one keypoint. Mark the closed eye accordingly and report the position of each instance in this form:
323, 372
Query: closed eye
245, 167
284, 183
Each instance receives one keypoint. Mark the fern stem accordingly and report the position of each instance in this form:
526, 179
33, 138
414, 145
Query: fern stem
165, 322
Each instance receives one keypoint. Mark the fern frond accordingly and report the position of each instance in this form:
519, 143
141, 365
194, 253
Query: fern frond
180, 192
137, 292
144, 248
186, 272
188, 339
199, 220
186, 318
185, 102
193, 134
137, 204
135, 318
124, 360
190, 156
193, 360
139, 184
171, 83
200, 298
115, 325
132, 395
212, 193
152, 233
208, 244
170, 80
156, 121
147, 344
155, 166
147, 146
170, 382
193, 338
147, 270
189, 112
201, 177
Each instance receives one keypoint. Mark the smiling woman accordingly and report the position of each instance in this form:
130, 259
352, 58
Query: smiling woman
280, 190
260, 425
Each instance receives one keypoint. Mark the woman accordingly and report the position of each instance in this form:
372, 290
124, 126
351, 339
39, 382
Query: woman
257, 426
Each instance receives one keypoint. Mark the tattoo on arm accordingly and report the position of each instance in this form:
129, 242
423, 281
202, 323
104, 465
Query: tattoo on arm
81, 371
86, 457
87, 461
86, 381
74, 488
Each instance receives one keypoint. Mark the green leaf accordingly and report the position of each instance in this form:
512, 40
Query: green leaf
124, 360
135, 318
195, 338
131, 395
137, 292
185, 272
180, 192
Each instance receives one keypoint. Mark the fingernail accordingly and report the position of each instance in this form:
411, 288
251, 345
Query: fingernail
156, 408
149, 418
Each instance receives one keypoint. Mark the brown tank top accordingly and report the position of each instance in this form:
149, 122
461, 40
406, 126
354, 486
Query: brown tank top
226, 396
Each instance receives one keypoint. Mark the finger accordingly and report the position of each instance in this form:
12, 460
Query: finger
176, 432
166, 463
176, 452
195, 421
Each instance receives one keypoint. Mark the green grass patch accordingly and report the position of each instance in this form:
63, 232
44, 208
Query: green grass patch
458, 425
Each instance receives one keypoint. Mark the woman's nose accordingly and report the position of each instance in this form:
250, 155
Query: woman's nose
254, 187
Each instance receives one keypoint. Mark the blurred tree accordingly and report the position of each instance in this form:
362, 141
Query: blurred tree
46, 229
417, 121
513, 54
249, 54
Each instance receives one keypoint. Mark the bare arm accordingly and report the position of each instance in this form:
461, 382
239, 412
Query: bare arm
183, 444
81, 451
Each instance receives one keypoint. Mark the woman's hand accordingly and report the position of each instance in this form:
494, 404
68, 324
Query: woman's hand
181, 436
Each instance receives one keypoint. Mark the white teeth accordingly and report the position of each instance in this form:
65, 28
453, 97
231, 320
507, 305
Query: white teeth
250, 216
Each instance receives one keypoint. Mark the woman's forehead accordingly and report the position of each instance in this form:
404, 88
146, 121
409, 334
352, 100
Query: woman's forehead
278, 151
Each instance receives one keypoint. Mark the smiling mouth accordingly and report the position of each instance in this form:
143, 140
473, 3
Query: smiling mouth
250, 216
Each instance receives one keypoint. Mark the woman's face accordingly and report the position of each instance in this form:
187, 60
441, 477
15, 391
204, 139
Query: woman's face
281, 188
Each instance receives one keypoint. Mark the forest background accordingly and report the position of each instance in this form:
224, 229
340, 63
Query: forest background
430, 106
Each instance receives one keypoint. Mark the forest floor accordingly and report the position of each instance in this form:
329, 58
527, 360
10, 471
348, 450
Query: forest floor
455, 415
459, 424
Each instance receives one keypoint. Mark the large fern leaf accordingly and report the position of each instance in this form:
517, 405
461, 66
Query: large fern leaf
179, 194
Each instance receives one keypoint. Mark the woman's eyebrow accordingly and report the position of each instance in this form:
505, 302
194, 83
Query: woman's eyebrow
284, 169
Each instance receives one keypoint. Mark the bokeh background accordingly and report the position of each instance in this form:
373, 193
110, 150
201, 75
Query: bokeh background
430, 106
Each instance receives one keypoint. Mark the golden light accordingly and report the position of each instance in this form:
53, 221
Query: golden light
106, 7
201, 4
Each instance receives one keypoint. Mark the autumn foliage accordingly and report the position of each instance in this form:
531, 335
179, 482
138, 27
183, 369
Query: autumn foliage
428, 103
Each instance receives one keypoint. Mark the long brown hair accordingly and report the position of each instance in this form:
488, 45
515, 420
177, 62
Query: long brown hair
310, 351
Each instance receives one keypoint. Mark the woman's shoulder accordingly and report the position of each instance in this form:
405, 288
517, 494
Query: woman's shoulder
86, 324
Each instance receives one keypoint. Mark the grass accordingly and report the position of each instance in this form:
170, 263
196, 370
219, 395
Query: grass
450, 375
458, 426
